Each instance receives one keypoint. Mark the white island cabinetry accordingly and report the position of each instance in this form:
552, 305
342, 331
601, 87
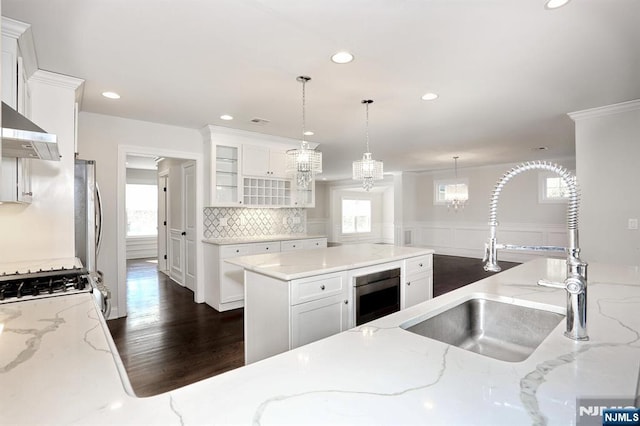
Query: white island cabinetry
418, 283
297, 297
283, 315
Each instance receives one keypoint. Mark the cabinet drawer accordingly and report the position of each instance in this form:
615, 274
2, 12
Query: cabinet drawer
235, 250
260, 248
319, 287
291, 245
418, 264
315, 243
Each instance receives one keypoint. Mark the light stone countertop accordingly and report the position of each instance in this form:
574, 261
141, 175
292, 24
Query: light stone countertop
58, 366
264, 239
292, 265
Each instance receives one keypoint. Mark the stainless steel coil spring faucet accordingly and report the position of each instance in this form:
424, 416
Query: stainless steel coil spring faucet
576, 281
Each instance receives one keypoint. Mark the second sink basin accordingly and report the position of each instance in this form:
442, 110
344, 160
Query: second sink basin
499, 330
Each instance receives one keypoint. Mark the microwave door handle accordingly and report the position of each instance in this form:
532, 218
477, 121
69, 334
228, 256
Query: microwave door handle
98, 219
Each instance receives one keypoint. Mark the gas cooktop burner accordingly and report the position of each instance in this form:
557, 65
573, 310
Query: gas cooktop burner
40, 284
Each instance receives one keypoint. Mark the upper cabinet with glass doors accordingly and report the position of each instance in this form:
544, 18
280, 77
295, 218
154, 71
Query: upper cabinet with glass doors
247, 169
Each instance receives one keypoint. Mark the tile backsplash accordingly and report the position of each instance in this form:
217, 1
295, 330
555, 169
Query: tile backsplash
245, 222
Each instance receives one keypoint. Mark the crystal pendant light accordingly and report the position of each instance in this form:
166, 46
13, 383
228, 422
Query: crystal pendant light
304, 162
367, 170
457, 200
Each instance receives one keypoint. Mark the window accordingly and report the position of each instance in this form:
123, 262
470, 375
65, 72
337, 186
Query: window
356, 216
448, 190
552, 189
142, 210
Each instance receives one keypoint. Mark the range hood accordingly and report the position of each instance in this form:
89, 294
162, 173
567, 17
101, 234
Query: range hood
22, 138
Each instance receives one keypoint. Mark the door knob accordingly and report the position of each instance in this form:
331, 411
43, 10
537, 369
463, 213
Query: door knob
184, 233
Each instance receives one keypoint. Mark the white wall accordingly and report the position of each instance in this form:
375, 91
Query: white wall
608, 158
44, 229
100, 137
318, 218
523, 220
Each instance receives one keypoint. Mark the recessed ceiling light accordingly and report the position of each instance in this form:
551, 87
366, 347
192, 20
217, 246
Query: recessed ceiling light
308, 133
226, 117
554, 4
111, 95
429, 96
342, 58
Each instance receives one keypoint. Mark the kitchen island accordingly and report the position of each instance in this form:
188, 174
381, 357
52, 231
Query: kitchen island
59, 365
296, 298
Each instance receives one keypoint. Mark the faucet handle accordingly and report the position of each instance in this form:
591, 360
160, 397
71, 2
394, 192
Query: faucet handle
553, 284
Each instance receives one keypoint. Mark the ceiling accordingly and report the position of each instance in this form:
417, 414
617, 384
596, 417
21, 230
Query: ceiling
507, 72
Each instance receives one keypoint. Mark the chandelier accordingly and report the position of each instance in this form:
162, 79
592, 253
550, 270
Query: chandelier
457, 199
367, 170
304, 162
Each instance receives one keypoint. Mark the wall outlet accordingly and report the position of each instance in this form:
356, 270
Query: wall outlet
222, 221
633, 224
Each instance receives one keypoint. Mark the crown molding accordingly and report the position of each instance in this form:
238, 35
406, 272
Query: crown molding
12, 28
605, 110
21, 32
58, 80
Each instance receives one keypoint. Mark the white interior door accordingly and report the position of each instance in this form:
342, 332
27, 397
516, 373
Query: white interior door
189, 199
176, 227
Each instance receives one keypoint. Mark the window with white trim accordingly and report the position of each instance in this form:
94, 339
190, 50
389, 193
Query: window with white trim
552, 188
356, 216
142, 210
445, 191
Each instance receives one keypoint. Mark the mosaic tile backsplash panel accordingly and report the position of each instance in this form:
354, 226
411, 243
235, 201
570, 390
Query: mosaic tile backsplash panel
244, 222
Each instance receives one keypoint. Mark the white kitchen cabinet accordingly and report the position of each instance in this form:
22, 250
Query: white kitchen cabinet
15, 185
418, 282
224, 288
318, 319
267, 192
264, 161
225, 175
304, 197
282, 315
307, 244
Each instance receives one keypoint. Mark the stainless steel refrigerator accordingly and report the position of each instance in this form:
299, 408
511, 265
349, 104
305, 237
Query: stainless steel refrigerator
88, 214
88, 229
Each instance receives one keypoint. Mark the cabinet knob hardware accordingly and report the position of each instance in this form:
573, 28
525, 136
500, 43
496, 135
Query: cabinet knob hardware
409, 283
237, 250
420, 265
183, 233
322, 287
267, 248
294, 246
346, 302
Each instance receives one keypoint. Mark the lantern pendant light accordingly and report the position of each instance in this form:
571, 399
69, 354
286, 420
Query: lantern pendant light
367, 170
304, 162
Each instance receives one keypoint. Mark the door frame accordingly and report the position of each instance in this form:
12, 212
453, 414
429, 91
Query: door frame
121, 225
163, 221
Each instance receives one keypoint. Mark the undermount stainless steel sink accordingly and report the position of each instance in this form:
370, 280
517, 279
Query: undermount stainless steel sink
504, 331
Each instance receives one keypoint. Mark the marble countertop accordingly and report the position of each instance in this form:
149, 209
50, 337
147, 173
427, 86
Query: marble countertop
58, 365
265, 239
300, 264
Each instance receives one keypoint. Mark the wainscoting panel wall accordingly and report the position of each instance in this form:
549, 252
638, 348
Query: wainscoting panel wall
237, 222
468, 239
142, 247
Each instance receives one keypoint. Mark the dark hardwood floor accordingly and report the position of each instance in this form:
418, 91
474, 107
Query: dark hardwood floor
167, 341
